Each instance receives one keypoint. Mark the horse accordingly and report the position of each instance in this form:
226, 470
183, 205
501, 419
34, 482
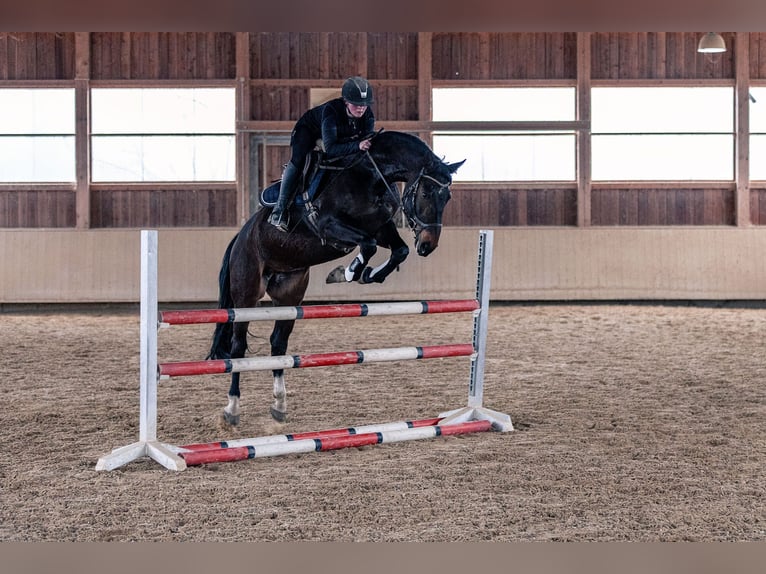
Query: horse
354, 206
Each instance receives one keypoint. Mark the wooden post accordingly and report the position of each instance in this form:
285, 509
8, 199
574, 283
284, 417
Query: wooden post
82, 129
583, 134
742, 129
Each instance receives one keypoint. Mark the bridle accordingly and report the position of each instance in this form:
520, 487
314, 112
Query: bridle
409, 206
407, 201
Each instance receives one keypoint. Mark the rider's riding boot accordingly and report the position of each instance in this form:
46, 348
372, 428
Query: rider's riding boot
280, 214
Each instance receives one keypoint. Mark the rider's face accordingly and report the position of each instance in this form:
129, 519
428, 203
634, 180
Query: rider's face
354, 110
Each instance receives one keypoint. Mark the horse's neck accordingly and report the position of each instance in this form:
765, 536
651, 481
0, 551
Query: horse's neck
402, 166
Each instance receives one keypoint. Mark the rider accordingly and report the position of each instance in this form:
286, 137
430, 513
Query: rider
341, 123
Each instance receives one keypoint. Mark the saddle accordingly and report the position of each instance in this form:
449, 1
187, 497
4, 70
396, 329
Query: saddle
308, 186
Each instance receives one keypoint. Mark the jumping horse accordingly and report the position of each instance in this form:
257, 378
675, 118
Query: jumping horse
354, 206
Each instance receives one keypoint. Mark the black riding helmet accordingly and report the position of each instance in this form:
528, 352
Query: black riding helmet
357, 91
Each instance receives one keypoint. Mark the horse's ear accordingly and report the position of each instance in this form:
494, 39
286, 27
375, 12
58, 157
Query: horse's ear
453, 167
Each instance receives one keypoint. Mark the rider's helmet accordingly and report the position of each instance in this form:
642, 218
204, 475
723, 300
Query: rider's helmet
357, 91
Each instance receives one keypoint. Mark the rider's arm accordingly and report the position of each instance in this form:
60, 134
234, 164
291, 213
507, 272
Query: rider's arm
334, 146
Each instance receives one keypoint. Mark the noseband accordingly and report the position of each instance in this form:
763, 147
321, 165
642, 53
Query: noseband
410, 207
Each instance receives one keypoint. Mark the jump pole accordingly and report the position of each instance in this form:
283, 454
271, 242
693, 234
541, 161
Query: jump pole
329, 442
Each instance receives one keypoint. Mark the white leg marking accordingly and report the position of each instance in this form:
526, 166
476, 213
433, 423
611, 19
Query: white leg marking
280, 394
233, 407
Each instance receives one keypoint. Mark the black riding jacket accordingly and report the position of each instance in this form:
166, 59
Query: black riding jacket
340, 133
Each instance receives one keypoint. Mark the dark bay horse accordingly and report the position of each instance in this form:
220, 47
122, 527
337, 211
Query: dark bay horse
355, 207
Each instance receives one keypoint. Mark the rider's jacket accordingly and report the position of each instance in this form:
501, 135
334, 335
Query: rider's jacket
338, 131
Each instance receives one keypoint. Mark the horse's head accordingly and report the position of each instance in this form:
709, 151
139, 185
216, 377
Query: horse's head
423, 202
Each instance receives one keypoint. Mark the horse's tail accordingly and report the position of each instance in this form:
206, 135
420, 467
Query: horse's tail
221, 347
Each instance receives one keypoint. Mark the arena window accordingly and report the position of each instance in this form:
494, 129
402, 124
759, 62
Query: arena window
163, 134
662, 133
37, 135
529, 155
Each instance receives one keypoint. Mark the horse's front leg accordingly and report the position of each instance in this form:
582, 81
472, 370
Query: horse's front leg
399, 251
279, 338
238, 349
378, 274
354, 271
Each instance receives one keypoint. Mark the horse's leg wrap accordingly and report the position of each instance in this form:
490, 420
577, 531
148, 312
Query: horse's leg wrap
379, 274
354, 270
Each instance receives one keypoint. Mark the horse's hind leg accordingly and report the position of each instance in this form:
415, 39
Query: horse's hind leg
285, 289
238, 349
279, 337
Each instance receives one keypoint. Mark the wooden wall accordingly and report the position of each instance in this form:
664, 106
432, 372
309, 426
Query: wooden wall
162, 55
36, 55
274, 73
658, 56
504, 56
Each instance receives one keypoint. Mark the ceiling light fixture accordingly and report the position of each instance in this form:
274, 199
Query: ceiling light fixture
710, 43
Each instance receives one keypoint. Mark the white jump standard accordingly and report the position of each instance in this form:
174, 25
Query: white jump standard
472, 418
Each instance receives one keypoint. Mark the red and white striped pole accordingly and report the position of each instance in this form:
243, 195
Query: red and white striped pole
328, 433
191, 317
198, 457
221, 366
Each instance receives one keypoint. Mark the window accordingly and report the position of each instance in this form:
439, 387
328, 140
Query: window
173, 134
37, 142
662, 133
507, 156
758, 133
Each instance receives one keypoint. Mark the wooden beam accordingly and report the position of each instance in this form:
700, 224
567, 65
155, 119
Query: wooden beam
742, 127
583, 135
82, 130
243, 99
431, 126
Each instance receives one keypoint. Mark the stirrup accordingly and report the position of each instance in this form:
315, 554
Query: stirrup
278, 221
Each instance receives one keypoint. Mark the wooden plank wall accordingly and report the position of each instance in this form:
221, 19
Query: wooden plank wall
162, 55
657, 56
277, 71
497, 206
504, 56
36, 55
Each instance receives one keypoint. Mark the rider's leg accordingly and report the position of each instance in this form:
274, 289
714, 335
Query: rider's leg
279, 215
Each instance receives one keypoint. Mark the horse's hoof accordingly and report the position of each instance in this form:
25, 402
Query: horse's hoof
337, 275
278, 416
230, 419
